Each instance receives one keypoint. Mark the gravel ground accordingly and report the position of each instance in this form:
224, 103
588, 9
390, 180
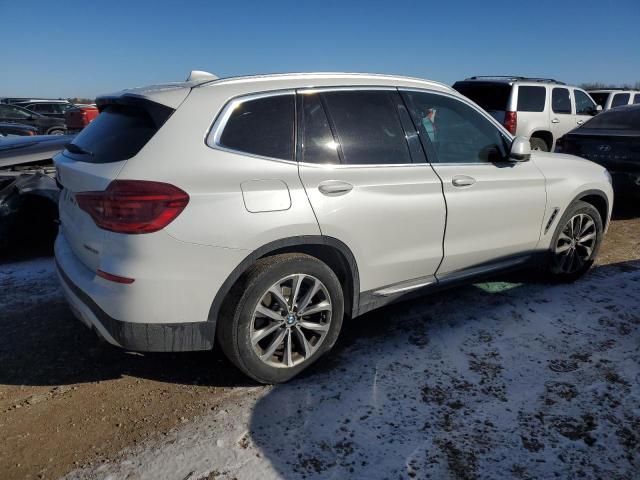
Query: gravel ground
503, 378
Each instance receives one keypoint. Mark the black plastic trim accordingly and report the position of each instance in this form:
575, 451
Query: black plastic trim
148, 337
304, 240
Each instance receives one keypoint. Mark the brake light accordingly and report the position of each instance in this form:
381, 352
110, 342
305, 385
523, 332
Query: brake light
134, 206
511, 122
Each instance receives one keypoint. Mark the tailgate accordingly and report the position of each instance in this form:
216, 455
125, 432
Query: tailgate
95, 158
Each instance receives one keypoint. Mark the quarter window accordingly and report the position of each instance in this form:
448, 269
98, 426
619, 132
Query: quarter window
560, 101
367, 127
457, 132
584, 104
263, 126
620, 99
531, 99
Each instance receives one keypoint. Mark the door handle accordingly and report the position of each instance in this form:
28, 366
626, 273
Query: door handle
580, 122
463, 181
334, 188
555, 120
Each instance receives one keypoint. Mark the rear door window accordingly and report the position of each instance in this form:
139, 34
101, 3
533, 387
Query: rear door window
620, 99
262, 126
368, 127
118, 133
560, 101
636, 98
531, 99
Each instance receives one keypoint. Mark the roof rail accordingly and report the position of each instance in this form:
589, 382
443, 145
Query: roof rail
516, 77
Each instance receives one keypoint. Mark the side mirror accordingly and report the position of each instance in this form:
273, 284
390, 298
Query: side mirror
598, 108
520, 149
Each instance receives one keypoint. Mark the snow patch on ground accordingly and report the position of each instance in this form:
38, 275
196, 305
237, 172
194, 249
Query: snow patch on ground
494, 380
36, 276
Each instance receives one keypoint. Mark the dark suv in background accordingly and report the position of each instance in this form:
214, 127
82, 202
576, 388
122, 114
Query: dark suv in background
45, 125
54, 109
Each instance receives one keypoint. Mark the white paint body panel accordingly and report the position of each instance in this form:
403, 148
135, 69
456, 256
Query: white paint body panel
498, 216
393, 220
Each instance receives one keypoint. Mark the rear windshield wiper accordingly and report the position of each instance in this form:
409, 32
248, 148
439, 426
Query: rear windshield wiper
73, 148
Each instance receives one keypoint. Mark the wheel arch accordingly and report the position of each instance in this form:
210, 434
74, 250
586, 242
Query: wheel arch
599, 200
330, 250
544, 135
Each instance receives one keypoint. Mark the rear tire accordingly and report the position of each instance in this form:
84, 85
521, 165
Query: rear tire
538, 144
281, 316
55, 131
575, 243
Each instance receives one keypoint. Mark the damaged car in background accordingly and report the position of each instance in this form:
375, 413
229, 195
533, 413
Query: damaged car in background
28, 189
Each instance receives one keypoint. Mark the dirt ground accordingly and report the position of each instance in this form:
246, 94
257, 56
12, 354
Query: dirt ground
68, 400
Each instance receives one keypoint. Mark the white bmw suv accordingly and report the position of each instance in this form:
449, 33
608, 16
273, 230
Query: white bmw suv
262, 211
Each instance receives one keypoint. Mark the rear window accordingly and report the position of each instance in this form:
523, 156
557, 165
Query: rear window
620, 99
493, 97
621, 119
118, 133
600, 98
531, 99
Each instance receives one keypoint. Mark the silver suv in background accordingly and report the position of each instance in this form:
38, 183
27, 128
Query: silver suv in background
615, 97
539, 108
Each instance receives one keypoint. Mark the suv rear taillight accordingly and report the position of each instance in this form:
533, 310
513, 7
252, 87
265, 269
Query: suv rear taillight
511, 122
134, 206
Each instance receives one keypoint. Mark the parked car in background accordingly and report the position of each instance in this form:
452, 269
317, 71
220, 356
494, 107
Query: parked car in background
45, 125
539, 108
48, 108
391, 186
16, 129
79, 116
615, 97
611, 139
28, 190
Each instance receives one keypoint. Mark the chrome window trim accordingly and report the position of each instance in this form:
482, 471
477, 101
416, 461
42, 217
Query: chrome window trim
212, 136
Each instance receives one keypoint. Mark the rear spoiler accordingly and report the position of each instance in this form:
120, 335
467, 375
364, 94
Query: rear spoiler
158, 112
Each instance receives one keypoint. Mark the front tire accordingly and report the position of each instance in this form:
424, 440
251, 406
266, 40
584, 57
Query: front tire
282, 316
575, 243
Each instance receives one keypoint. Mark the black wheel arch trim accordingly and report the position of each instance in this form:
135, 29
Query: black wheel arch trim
587, 193
273, 247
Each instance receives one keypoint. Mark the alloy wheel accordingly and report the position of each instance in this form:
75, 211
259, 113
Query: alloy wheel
291, 321
575, 244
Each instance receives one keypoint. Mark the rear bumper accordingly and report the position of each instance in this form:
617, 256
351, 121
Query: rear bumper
141, 337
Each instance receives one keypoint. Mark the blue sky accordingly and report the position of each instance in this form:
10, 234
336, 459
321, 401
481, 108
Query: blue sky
84, 48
